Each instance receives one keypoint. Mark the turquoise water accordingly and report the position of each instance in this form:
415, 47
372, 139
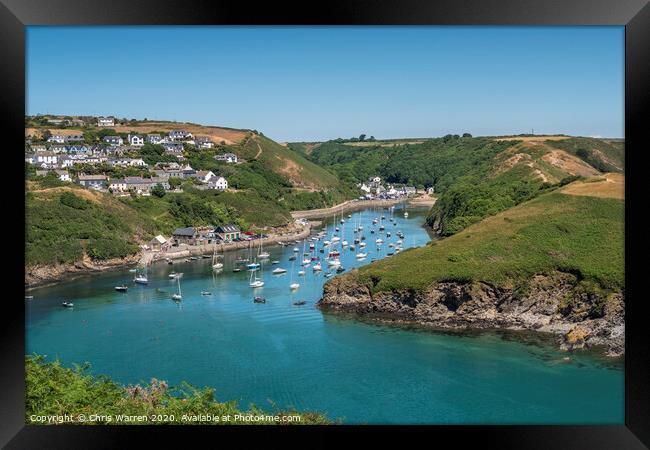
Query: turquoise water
296, 356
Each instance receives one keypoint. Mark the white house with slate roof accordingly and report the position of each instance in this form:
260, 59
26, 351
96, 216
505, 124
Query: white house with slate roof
113, 140
228, 232
57, 138
203, 142
219, 183
154, 138
178, 135
135, 140
230, 158
106, 121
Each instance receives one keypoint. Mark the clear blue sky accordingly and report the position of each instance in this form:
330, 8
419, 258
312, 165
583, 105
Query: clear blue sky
314, 83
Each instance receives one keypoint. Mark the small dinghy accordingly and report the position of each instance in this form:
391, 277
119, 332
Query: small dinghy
275, 262
236, 269
340, 269
279, 270
206, 293
67, 304
259, 299
299, 303
122, 288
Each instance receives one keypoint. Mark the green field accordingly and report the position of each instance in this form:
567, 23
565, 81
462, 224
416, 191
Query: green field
554, 232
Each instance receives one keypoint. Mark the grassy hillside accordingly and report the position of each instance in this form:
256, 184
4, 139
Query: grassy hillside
473, 177
288, 163
606, 156
250, 145
53, 390
576, 229
66, 222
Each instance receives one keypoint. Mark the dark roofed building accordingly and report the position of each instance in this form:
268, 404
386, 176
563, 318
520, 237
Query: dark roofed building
228, 232
185, 235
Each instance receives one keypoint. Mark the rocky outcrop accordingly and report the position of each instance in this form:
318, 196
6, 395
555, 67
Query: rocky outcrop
40, 275
557, 303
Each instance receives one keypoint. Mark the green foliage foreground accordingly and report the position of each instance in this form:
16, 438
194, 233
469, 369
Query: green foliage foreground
56, 394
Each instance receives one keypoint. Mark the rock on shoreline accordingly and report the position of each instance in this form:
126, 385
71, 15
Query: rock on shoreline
548, 303
43, 275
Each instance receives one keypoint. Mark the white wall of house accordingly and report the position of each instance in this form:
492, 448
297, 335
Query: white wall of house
136, 141
220, 183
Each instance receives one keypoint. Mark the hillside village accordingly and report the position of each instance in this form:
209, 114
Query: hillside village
67, 155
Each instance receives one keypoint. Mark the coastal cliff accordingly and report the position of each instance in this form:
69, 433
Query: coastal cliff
554, 303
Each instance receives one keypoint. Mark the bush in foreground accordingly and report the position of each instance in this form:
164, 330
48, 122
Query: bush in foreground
56, 391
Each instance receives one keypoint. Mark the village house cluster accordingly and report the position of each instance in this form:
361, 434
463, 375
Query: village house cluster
59, 153
375, 189
200, 236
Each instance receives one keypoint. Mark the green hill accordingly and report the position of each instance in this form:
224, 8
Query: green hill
473, 177
553, 264
557, 231
65, 223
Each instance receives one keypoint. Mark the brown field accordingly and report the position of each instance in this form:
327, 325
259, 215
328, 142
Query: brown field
531, 138
382, 143
64, 132
214, 133
569, 163
89, 195
610, 185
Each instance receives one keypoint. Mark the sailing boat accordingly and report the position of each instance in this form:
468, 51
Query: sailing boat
292, 285
305, 261
254, 265
216, 265
177, 296
254, 281
262, 254
141, 277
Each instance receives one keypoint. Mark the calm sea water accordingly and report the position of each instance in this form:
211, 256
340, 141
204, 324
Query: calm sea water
296, 356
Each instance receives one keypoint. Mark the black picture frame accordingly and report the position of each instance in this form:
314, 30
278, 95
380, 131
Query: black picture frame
633, 14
